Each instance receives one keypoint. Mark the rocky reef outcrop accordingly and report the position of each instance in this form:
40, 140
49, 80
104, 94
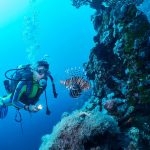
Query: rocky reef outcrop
119, 69
82, 130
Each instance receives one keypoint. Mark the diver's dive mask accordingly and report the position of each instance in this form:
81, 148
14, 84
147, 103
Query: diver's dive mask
42, 71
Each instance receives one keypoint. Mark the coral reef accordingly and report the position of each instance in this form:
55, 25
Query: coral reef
82, 130
119, 68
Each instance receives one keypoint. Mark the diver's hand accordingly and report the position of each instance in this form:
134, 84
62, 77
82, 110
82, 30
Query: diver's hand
31, 108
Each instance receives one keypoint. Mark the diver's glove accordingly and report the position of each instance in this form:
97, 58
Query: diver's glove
31, 108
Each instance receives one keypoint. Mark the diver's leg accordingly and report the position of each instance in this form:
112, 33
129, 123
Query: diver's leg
5, 100
1, 101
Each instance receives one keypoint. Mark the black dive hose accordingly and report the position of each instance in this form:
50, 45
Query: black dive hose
18, 119
47, 109
53, 86
14, 73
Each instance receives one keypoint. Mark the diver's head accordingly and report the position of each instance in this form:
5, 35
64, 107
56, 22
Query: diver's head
42, 63
40, 70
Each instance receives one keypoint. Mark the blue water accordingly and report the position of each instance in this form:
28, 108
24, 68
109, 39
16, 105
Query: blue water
65, 34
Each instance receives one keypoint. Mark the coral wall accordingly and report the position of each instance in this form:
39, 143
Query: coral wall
119, 68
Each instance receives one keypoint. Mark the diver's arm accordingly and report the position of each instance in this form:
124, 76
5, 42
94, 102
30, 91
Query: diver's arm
20, 89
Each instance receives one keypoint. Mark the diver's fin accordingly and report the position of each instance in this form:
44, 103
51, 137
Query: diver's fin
3, 111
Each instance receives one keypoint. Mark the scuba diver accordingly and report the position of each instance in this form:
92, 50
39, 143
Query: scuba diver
25, 87
76, 83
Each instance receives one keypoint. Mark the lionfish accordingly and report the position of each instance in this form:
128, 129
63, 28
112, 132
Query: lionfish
76, 82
